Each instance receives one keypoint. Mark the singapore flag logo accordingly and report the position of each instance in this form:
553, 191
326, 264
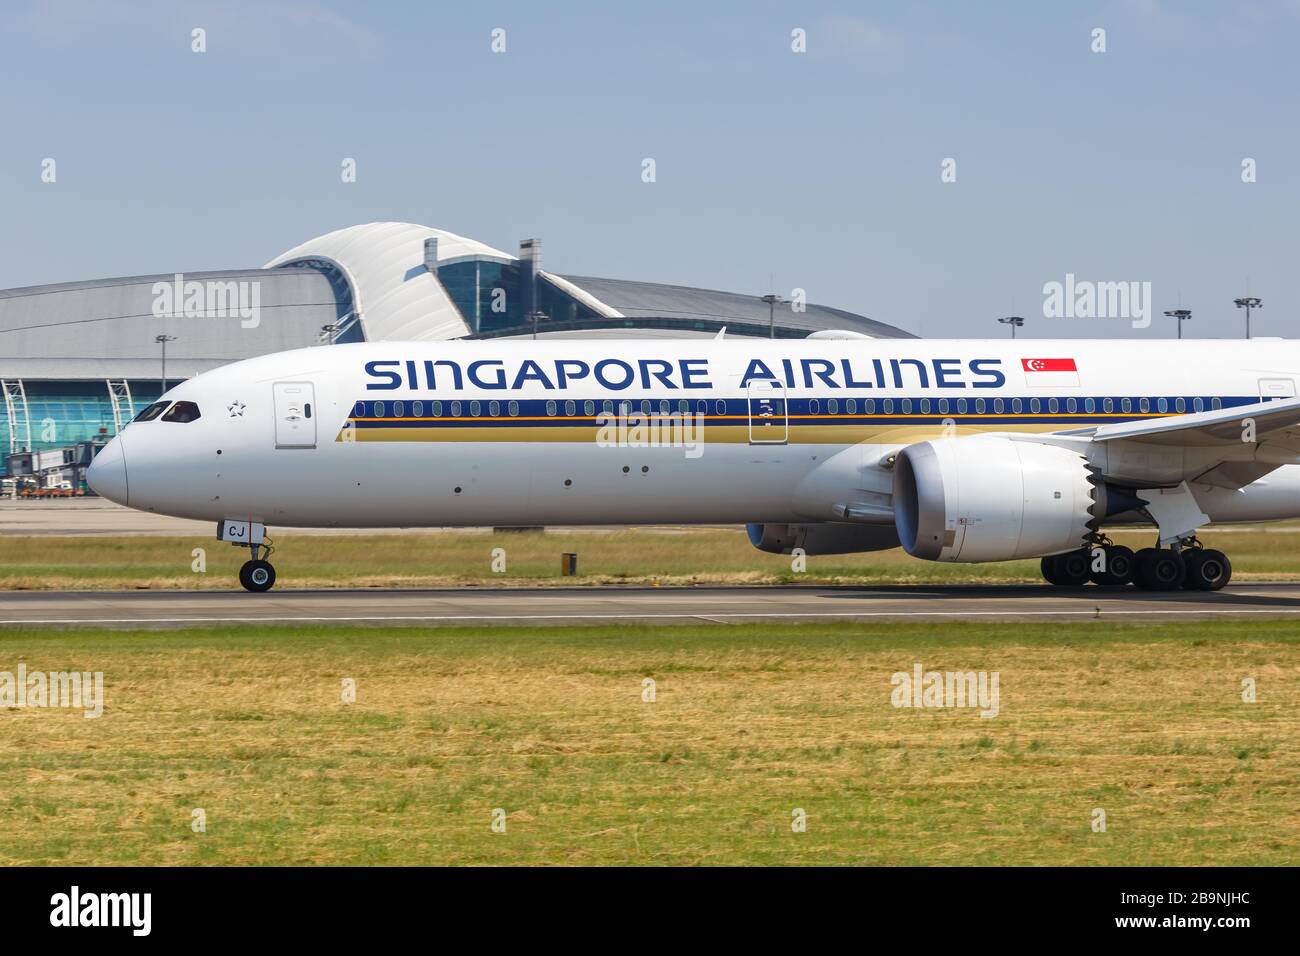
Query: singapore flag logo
1050, 371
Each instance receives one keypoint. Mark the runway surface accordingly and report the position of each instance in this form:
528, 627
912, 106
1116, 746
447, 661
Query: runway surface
652, 605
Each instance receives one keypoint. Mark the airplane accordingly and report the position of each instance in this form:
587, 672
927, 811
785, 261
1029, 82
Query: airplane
957, 450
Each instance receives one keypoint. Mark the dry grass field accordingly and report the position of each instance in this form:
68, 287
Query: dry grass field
749, 723
424, 559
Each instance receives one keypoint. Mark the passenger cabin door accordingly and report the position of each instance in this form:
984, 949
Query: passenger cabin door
769, 422
295, 414
1271, 389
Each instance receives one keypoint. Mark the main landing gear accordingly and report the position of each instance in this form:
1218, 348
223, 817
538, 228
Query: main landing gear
1179, 560
1188, 565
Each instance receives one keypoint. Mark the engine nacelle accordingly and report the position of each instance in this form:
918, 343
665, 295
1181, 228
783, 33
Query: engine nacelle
984, 498
823, 538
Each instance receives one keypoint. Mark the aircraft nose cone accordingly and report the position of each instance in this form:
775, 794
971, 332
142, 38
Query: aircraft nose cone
107, 473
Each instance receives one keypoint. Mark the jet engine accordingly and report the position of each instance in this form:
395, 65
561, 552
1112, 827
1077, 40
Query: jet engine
985, 498
822, 538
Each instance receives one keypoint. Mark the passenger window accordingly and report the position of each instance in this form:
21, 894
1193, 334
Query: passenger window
513, 408
379, 409
1035, 405
833, 406
888, 405
979, 406
664, 406
1216, 403
550, 408
570, 408
436, 408
1089, 405
608, 406
494, 409
943, 406
455, 409
1107, 405
1126, 405
475, 408
1198, 404
183, 412
1162, 404
869, 406
721, 406
399, 409
1180, 404
998, 406
359, 410
851, 406
815, 406
589, 408
961, 406
907, 406
1144, 404
417, 409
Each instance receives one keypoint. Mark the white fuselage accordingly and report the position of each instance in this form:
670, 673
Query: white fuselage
514, 432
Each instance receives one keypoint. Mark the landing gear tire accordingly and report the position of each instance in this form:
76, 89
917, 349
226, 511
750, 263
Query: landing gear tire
1067, 570
1207, 570
1048, 567
257, 576
1159, 569
1118, 567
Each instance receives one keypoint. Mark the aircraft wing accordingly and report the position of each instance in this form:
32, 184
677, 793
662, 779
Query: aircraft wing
1275, 422
1227, 448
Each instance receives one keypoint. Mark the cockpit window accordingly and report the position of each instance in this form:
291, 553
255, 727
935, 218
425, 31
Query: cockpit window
182, 412
152, 412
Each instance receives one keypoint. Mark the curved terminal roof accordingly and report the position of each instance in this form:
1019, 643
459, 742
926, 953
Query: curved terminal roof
706, 310
394, 296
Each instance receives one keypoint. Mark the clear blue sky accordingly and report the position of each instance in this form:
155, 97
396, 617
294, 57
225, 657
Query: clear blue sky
818, 170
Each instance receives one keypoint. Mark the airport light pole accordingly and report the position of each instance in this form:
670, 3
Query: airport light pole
1249, 302
1015, 321
535, 317
772, 300
1182, 315
163, 340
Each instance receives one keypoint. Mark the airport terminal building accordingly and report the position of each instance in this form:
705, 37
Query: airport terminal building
79, 359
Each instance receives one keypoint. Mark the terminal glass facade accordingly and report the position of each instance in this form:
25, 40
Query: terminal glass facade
493, 297
64, 413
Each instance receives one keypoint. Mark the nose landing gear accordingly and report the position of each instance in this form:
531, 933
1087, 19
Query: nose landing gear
257, 574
